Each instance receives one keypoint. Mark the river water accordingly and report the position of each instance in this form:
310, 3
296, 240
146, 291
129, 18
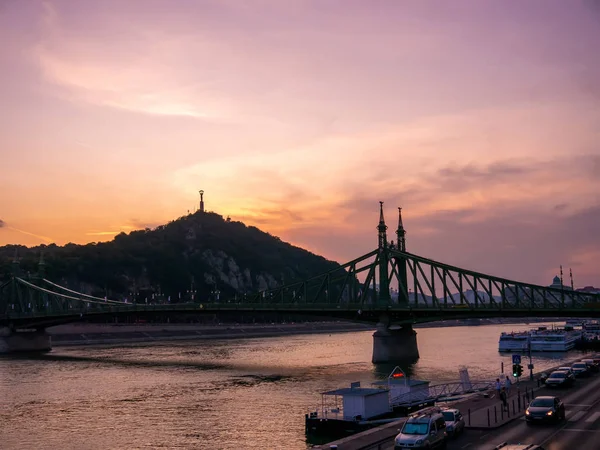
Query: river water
247, 393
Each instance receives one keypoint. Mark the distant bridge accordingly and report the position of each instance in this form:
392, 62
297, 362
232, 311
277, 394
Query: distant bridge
399, 288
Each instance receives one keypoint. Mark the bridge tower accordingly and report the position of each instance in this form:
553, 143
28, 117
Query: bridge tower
384, 282
401, 262
401, 232
398, 343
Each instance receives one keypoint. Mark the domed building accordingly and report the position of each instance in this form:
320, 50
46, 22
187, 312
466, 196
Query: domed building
556, 284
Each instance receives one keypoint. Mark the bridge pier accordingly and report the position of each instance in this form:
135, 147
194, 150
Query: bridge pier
13, 341
394, 344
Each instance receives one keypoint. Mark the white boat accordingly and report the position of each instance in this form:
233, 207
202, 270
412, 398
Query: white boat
514, 342
591, 330
364, 408
554, 340
591, 327
540, 340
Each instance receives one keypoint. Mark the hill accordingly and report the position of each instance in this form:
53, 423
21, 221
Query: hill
200, 254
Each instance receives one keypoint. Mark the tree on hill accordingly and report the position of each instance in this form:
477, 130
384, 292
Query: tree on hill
199, 255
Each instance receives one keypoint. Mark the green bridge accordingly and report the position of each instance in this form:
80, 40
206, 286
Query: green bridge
388, 286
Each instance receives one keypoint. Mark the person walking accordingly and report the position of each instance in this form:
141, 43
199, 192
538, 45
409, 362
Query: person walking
498, 387
507, 385
504, 399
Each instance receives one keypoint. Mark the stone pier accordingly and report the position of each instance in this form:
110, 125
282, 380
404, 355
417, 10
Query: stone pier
394, 344
15, 341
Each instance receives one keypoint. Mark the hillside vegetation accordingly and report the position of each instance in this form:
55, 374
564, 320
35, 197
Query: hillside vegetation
200, 254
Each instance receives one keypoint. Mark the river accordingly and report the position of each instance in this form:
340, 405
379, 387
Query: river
247, 393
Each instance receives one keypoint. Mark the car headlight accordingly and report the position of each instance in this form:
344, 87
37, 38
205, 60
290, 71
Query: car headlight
549, 413
527, 412
419, 442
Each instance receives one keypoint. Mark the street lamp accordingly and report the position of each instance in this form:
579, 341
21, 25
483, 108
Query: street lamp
530, 362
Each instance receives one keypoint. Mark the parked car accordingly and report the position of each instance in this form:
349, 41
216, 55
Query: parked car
455, 423
580, 369
424, 429
545, 409
560, 378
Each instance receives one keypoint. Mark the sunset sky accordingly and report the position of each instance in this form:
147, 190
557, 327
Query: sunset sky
480, 118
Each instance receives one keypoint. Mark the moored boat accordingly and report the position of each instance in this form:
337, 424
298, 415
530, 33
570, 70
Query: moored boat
541, 340
591, 326
514, 342
555, 340
350, 410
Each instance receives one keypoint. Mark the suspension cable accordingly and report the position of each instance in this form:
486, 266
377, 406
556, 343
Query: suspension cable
41, 289
82, 294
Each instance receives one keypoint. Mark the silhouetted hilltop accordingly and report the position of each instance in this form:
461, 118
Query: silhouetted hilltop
199, 254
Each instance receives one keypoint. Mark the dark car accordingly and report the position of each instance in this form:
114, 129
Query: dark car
592, 366
560, 378
545, 409
580, 369
567, 368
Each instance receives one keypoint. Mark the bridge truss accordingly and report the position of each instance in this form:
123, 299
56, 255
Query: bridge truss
389, 281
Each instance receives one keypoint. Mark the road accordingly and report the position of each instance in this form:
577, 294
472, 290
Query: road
580, 430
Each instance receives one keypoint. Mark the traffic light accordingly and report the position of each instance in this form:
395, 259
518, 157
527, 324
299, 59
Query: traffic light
517, 370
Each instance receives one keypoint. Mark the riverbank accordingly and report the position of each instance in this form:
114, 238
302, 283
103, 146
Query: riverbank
115, 334
109, 334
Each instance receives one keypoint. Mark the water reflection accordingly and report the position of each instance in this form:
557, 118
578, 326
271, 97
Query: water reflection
383, 370
250, 393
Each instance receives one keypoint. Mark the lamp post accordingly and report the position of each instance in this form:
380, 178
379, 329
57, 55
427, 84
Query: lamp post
530, 362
